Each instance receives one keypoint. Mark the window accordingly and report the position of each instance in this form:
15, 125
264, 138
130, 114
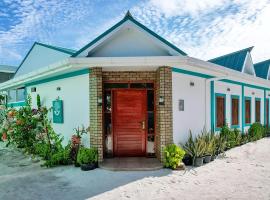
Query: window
16, 95
220, 110
247, 110
235, 111
258, 110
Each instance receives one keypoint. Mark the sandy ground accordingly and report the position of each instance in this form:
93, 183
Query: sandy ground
243, 174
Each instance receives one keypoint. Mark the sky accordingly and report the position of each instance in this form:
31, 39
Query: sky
203, 29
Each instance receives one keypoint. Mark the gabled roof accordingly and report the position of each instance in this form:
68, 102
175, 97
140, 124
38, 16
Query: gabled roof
8, 68
262, 69
56, 48
128, 17
233, 60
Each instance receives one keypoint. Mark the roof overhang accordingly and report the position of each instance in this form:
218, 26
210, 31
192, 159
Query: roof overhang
132, 64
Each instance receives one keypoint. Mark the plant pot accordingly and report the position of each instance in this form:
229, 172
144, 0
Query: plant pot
213, 157
197, 162
75, 140
87, 167
4, 136
187, 160
207, 159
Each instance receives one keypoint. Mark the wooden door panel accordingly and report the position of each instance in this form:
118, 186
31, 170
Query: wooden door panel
129, 110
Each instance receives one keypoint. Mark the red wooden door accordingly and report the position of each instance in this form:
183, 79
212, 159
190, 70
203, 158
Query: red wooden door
129, 122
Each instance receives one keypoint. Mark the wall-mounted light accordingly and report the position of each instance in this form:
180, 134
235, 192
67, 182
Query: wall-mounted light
228, 89
191, 83
33, 89
161, 100
58, 88
99, 101
269, 95
253, 93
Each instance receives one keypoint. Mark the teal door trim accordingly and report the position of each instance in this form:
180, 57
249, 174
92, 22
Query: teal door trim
243, 108
248, 98
220, 95
238, 98
212, 103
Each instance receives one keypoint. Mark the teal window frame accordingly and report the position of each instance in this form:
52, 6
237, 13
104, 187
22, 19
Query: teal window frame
17, 103
258, 99
238, 98
247, 98
220, 95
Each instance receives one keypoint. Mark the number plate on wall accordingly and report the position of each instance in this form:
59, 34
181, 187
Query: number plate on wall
58, 112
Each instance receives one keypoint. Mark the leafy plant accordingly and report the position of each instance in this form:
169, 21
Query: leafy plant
87, 156
80, 131
195, 148
173, 156
220, 144
38, 101
255, 131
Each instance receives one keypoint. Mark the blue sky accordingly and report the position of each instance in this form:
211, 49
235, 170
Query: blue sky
203, 29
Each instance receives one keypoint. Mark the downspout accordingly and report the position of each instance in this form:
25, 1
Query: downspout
212, 106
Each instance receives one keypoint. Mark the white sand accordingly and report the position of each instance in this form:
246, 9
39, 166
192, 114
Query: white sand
243, 174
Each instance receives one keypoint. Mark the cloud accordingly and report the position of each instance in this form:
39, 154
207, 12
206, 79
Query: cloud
204, 29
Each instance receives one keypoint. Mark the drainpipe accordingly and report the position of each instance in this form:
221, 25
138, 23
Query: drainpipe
208, 80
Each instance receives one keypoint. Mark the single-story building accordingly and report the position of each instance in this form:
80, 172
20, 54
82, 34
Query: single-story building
138, 92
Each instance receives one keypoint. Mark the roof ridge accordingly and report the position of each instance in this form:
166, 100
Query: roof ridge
67, 50
232, 53
128, 16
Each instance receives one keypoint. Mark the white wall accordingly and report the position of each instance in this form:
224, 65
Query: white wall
39, 57
75, 95
194, 117
129, 42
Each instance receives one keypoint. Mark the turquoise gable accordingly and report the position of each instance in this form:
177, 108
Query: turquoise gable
233, 60
262, 69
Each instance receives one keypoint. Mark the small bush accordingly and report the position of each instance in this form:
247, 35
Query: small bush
173, 156
255, 131
87, 156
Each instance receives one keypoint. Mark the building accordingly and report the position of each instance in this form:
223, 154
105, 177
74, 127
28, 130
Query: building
138, 92
6, 72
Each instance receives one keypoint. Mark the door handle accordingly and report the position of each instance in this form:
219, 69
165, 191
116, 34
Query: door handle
143, 124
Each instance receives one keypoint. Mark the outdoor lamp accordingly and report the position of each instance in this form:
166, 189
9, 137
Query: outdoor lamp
99, 101
161, 100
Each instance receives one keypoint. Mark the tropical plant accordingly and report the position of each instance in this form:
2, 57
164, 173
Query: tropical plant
255, 131
220, 144
195, 148
87, 156
173, 156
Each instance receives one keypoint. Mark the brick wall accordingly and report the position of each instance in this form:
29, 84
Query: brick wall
96, 136
164, 132
129, 76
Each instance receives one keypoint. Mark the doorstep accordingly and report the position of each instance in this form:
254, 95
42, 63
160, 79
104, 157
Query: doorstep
131, 164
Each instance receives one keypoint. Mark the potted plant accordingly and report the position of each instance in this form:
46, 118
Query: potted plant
208, 137
196, 149
87, 158
173, 156
76, 138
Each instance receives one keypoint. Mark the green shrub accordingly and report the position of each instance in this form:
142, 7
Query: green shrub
87, 156
255, 131
173, 156
61, 157
196, 147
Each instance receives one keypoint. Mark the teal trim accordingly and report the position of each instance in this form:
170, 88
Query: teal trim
243, 107
183, 71
130, 18
16, 104
62, 76
248, 98
212, 100
220, 95
197, 74
63, 50
238, 98
264, 107
258, 99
